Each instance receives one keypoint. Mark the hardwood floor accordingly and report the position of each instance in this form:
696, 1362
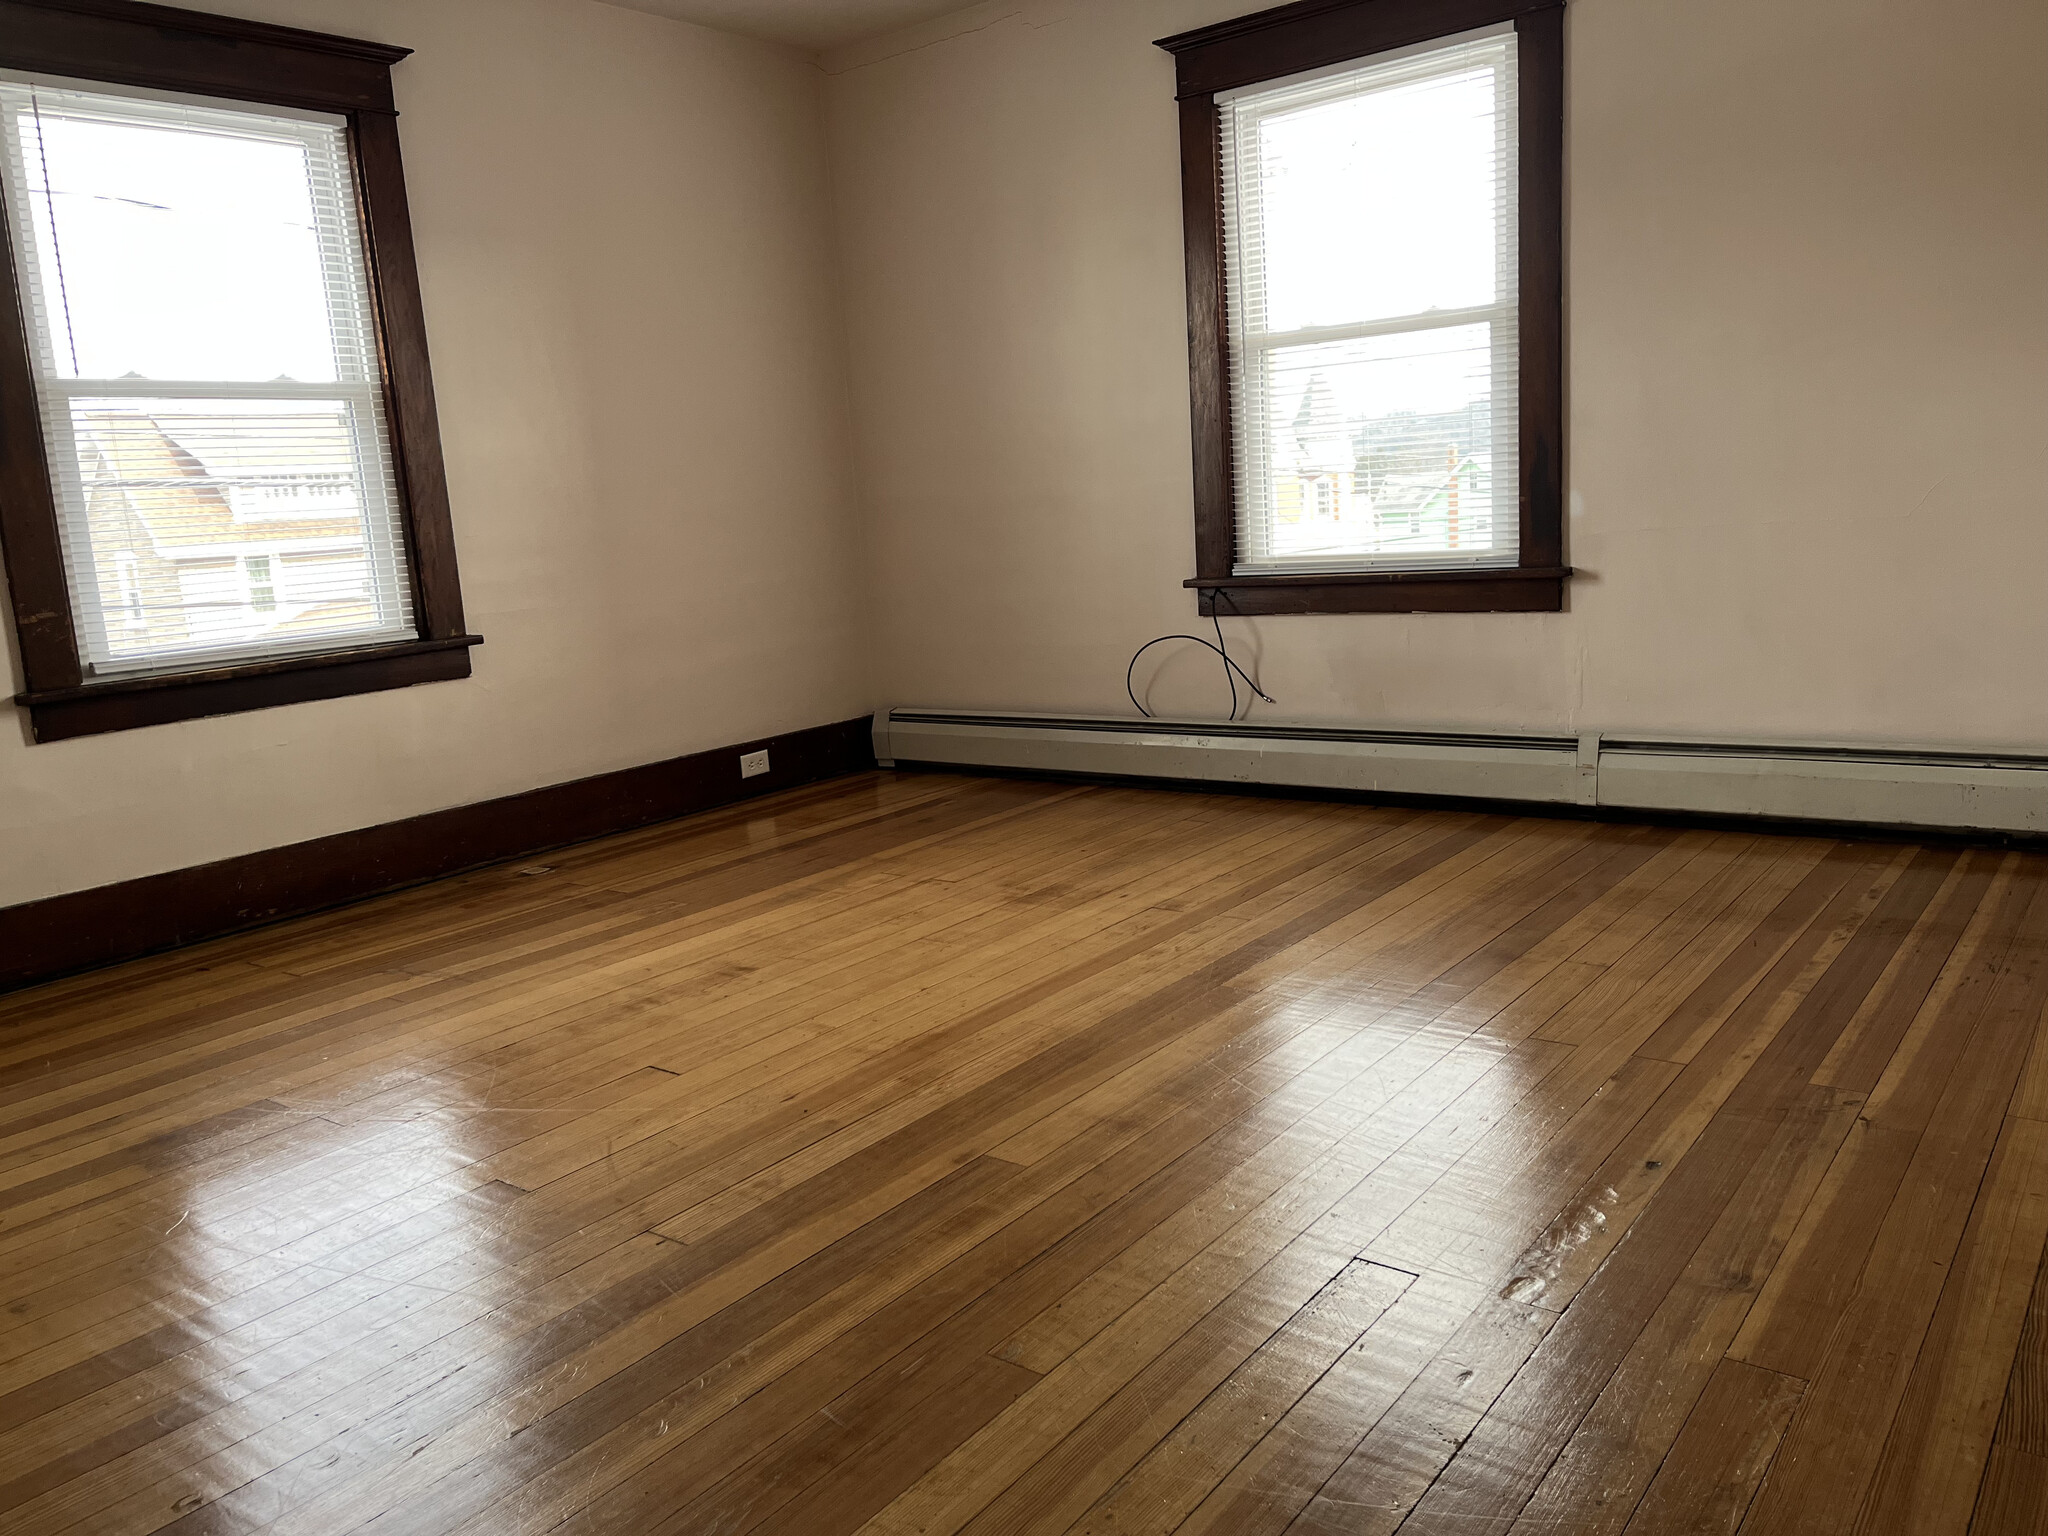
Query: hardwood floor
921, 1154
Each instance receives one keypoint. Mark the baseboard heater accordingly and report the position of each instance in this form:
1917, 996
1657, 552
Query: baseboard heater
1902, 787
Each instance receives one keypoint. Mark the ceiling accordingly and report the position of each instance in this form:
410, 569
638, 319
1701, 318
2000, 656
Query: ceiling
812, 24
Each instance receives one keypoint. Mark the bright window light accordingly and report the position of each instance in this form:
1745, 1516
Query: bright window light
1371, 262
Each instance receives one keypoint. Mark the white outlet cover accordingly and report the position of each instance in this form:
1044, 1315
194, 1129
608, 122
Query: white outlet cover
753, 764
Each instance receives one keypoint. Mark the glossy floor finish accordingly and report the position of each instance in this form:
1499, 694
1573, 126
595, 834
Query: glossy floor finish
920, 1154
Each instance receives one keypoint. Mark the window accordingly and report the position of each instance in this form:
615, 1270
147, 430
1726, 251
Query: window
219, 356
262, 591
1369, 242
1372, 207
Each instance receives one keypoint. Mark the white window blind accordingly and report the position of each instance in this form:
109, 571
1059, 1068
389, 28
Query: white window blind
205, 356
1371, 274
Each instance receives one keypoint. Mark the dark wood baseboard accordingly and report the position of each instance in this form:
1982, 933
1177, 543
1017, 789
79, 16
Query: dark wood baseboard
41, 940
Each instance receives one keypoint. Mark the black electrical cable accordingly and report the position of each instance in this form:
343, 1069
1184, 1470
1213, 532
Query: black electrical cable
1222, 595
1228, 676
1231, 670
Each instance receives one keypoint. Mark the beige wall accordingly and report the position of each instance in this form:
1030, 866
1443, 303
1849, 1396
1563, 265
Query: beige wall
1809, 334
630, 299
1809, 379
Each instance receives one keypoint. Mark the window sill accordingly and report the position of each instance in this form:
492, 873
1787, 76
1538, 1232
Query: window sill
1527, 589
58, 714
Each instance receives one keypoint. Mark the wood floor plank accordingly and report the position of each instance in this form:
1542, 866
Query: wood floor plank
1867, 1046
1833, 1449
1607, 1465
1927, 1474
1500, 1466
1708, 1479
1162, 1489
954, 1313
654, 1422
2014, 1498
1478, 1344
1419, 1099
1282, 1473
2023, 1419
1091, 1441
928, 1153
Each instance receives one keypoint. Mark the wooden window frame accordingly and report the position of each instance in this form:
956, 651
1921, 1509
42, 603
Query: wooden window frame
121, 42
1271, 45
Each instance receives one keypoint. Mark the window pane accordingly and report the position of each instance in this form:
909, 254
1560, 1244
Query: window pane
179, 253
241, 522
1383, 203
1384, 446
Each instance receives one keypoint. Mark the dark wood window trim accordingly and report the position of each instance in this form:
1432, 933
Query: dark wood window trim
124, 43
1309, 35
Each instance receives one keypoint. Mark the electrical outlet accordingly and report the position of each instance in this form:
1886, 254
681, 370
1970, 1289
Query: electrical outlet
753, 764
